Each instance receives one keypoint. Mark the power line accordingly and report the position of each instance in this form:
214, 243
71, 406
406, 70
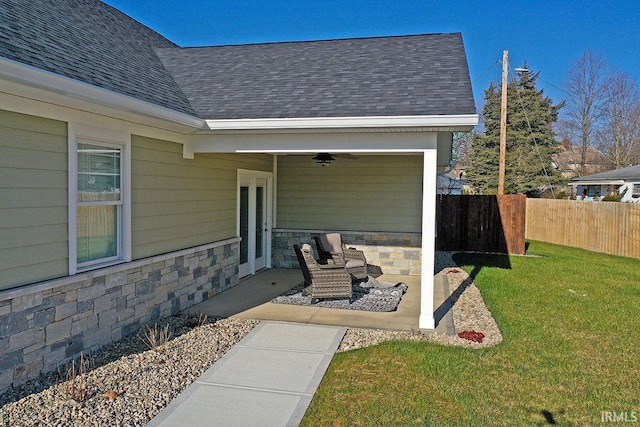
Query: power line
486, 71
554, 86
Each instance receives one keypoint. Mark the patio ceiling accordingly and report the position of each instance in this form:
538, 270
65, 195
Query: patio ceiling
308, 143
385, 134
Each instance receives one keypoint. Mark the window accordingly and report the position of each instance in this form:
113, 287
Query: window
99, 207
593, 191
99, 198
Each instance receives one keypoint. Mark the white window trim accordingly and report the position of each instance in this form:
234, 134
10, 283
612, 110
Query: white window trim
122, 140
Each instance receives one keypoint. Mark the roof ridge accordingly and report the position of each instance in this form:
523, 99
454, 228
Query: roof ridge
338, 39
147, 28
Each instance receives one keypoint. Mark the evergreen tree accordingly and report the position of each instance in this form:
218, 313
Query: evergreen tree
530, 140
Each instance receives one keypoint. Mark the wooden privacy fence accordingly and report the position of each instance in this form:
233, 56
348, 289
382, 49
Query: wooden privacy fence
607, 227
481, 223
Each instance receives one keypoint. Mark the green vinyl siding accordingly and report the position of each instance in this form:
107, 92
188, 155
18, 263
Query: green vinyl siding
370, 193
179, 203
33, 199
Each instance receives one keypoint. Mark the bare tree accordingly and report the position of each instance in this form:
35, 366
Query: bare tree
586, 88
619, 140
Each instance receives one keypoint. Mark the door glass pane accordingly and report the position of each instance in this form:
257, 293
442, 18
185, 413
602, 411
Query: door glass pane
244, 224
98, 173
259, 220
97, 232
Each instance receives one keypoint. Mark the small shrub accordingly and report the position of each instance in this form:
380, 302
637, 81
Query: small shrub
614, 197
562, 195
156, 337
76, 385
200, 320
611, 198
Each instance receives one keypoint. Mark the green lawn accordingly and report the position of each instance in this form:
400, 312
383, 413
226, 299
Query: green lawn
566, 356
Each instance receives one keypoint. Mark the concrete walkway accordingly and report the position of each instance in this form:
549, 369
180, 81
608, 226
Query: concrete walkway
267, 379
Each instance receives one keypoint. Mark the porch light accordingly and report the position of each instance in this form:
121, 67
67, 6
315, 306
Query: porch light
323, 159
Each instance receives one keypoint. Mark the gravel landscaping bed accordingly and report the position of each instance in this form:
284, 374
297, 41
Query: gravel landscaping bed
130, 384
469, 314
127, 384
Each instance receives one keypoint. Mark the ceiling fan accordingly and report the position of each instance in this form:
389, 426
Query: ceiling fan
324, 159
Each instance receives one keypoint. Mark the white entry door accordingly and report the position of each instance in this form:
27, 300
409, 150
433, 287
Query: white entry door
254, 221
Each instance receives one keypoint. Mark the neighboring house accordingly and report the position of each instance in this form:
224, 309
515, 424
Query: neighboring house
596, 186
569, 158
451, 182
138, 178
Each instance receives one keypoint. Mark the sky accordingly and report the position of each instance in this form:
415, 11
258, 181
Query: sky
548, 35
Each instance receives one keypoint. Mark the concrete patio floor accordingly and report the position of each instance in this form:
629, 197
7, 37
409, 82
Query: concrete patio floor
250, 300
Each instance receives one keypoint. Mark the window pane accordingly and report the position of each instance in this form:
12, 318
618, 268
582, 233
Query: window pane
97, 232
244, 224
259, 221
98, 173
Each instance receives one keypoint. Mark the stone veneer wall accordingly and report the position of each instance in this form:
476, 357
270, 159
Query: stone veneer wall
46, 324
393, 253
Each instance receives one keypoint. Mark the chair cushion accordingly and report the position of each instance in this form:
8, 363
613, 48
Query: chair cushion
354, 263
332, 242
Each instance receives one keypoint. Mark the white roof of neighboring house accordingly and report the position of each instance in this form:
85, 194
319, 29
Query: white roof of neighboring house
613, 177
449, 183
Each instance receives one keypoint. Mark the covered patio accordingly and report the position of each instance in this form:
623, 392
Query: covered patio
384, 110
250, 299
379, 193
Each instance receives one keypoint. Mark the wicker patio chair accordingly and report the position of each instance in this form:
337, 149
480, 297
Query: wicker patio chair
323, 281
331, 249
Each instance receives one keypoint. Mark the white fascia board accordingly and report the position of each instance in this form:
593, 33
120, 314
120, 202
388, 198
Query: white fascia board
439, 121
46, 80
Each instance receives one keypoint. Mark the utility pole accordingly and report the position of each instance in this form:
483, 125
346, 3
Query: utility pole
503, 123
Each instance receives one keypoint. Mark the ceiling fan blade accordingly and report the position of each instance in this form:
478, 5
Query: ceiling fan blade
346, 156
333, 155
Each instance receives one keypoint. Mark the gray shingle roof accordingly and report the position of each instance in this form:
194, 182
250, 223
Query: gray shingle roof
90, 41
385, 76
630, 174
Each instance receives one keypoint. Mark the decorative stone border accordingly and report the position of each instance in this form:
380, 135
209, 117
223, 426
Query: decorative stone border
393, 253
47, 324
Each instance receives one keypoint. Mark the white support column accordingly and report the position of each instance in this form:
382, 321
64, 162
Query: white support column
427, 320
274, 203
